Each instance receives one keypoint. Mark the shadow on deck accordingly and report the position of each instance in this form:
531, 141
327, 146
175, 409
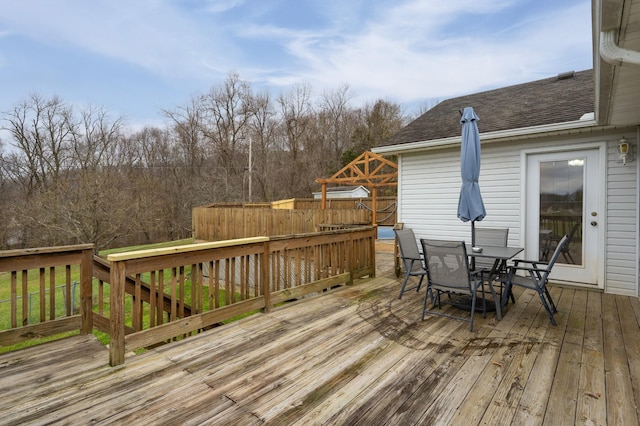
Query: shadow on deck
355, 355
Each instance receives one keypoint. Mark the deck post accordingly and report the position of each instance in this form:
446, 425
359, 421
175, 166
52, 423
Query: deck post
265, 276
372, 249
116, 314
374, 205
86, 291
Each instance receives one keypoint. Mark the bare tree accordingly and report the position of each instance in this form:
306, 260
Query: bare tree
227, 112
263, 136
95, 140
339, 124
378, 122
40, 131
73, 176
296, 114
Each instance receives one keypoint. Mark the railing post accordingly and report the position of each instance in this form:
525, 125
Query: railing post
372, 251
86, 291
265, 276
352, 257
116, 313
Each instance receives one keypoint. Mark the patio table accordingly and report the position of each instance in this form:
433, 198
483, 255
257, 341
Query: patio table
500, 255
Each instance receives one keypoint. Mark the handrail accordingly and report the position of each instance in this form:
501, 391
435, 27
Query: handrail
230, 278
49, 265
145, 297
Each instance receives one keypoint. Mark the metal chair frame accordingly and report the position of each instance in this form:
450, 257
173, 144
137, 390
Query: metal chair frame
536, 278
412, 259
448, 272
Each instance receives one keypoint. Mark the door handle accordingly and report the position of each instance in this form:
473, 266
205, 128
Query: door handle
594, 223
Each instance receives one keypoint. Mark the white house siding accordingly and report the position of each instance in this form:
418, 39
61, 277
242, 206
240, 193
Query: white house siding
622, 221
429, 185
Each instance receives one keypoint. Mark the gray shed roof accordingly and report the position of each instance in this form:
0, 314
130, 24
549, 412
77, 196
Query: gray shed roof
566, 97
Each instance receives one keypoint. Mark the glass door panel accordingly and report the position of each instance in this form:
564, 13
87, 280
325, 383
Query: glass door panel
561, 208
563, 197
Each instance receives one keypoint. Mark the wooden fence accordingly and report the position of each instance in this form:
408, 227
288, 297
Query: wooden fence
45, 268
222, 223
386, 214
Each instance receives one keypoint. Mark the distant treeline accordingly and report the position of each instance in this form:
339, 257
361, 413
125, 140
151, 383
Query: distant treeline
70, 175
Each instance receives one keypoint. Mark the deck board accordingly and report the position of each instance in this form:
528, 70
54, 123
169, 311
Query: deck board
355, 355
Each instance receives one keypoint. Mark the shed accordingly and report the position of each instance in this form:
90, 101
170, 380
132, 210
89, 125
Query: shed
344, 192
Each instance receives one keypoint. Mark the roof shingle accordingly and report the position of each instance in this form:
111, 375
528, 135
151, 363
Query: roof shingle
563, 98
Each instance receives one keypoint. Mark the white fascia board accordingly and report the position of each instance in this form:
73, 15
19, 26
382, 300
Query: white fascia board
578, 126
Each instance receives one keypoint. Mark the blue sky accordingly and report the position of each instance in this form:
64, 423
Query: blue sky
137, 57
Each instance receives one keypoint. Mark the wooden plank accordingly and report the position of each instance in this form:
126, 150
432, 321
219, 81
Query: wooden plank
386, 324
27, 376
506, 398
631, 337
187, 248
617, 374
37, 260
561, 408
499, 368
167, 331
486, 360
316, 286
47, 328
354, 355
591, 405
534, 399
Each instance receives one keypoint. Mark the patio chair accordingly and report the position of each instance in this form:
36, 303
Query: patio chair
412, 259
536, 278
497, 237
448, 272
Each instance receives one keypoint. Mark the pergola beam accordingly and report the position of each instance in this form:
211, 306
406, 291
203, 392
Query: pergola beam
369, 170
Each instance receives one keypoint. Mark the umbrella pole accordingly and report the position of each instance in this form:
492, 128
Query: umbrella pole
473, 233
473, 244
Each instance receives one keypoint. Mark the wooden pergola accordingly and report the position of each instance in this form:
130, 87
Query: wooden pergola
369, 170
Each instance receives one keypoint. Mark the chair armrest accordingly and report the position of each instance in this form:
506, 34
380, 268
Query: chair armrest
534, 263
410, 258
528, 269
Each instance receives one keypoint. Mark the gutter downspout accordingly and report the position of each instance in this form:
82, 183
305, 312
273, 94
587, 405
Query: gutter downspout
613, 54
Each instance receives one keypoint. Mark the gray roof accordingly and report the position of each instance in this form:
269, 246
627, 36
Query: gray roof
566, 97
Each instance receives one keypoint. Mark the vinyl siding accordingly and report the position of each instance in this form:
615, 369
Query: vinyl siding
429, 185
622, 222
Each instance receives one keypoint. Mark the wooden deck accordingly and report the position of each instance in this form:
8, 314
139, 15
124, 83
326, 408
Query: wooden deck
356, 355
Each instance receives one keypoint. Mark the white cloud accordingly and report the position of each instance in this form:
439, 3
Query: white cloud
415, 51
154, 35
404, 50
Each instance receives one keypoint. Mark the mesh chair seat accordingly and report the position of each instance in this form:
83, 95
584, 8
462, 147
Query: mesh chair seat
448, 272
412, 260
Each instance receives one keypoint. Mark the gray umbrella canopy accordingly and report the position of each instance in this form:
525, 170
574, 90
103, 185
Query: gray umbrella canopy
470, 206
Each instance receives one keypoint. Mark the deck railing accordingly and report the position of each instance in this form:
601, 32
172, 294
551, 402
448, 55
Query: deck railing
41, 312
142, 298
164, 294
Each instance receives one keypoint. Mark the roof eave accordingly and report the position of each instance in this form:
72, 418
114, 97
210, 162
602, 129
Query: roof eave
578, 126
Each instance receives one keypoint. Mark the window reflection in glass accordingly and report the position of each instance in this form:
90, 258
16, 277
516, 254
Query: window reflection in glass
561, 208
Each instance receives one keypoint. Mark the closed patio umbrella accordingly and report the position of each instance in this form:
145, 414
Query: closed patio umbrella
470, 206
